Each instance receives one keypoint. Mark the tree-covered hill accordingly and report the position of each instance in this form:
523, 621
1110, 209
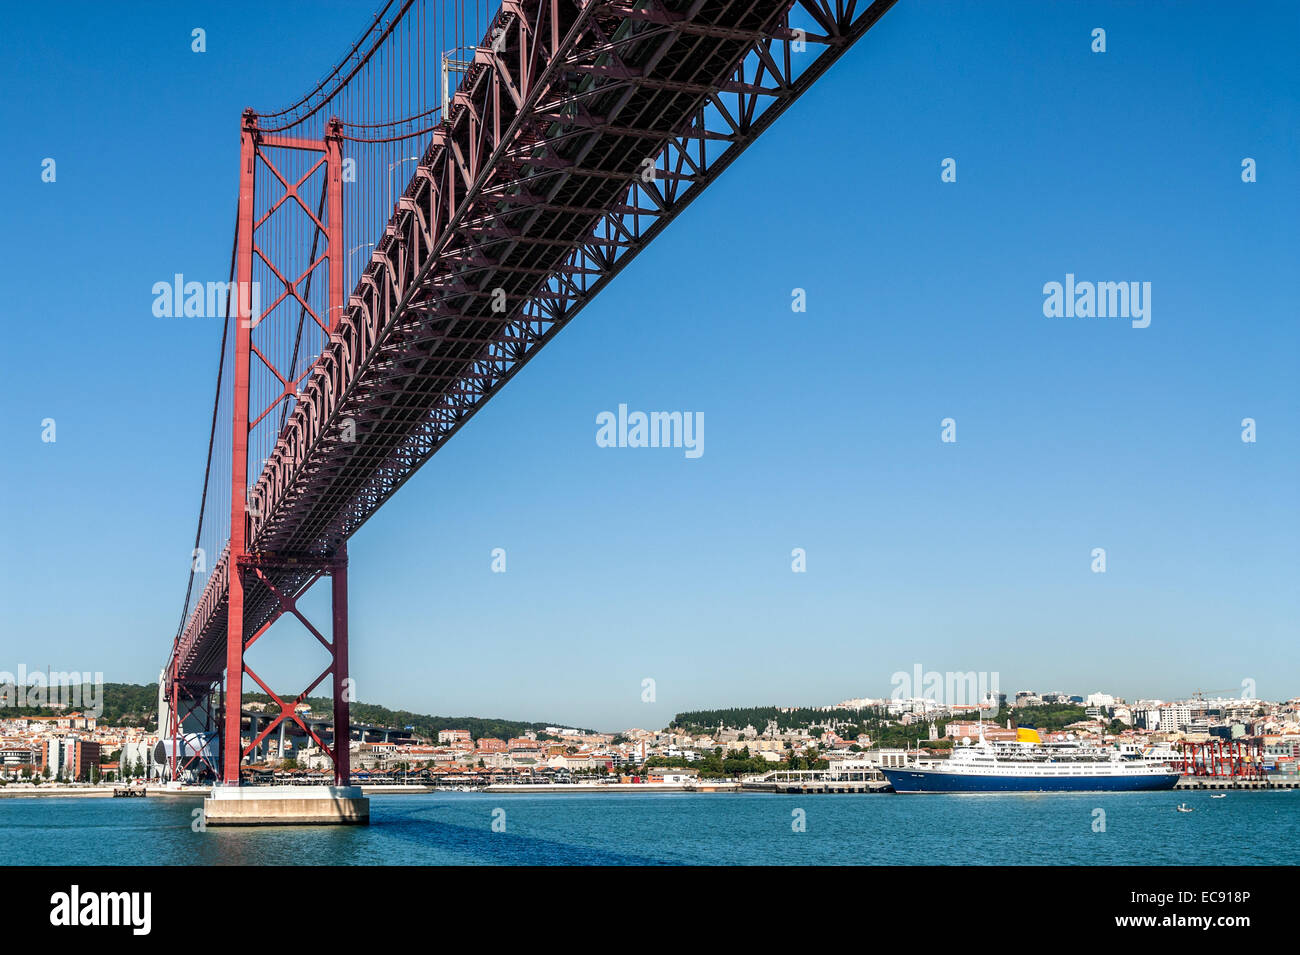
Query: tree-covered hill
123, 704
422, 724
130, 704
849, 723
702, 721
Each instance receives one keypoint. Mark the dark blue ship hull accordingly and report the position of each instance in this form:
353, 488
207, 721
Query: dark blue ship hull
925, 781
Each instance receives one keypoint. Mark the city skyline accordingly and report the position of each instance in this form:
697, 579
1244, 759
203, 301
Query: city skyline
924, 302
59, 694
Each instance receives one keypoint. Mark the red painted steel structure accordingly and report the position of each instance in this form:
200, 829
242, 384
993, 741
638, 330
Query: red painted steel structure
581, 128
250, 565
178, 765
1217, 757
257, 152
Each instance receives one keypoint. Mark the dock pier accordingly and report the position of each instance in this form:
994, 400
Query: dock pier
1201, 783
814, 781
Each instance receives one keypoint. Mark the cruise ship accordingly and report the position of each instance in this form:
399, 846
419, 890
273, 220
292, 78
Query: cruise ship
1029, 765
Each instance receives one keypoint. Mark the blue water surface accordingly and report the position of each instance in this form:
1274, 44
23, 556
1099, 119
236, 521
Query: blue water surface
1248, 828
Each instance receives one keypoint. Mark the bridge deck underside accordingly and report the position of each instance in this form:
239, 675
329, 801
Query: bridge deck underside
542, 217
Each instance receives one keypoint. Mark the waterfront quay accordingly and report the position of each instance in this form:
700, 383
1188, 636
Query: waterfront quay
1228, 782
813, 781
710, 786
779, 782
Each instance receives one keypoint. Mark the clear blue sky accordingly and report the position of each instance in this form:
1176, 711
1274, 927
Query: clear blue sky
822, 429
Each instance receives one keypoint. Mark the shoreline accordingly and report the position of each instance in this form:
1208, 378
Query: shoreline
106, 792
504, 789
611, 788
87, 792
96, 792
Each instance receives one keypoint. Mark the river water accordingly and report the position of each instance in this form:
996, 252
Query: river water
1247, 828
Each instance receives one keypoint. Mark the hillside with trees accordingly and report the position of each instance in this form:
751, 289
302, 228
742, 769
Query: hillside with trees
124, 704
873, 722
423, 724
131, 704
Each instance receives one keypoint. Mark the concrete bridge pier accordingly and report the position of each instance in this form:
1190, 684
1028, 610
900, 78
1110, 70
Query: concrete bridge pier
286, 806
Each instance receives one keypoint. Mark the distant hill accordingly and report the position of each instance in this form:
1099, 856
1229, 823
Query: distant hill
422, 723
130, 704
737, 718
124, 704
851, 722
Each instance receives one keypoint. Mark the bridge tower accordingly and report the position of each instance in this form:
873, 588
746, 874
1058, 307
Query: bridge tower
258, 157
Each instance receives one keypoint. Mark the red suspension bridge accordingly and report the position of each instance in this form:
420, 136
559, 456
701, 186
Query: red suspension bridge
538, 148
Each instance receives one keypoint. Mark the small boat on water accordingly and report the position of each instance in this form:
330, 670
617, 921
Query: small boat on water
1183, 807
1220, 796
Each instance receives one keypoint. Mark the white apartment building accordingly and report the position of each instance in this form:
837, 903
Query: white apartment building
1174, 716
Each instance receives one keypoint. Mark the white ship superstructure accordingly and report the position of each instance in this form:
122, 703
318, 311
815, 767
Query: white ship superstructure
1029, 765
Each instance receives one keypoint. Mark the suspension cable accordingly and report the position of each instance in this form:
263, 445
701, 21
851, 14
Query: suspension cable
212, 433
338, 66
379, 41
